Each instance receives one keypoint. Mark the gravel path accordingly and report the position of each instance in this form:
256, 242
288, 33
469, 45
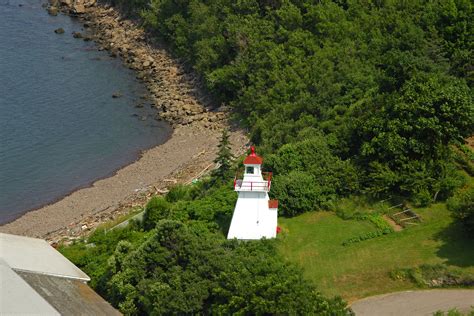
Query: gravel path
414, 303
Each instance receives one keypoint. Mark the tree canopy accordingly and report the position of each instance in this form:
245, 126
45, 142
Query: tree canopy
389, 82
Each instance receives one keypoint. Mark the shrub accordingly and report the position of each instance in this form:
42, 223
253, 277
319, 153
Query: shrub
189, 268
179, 192
367, 236
156, 209
433, 275
462, 205
298, 192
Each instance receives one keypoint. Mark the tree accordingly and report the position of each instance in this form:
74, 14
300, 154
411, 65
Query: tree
404, 138
190, 268
224, 158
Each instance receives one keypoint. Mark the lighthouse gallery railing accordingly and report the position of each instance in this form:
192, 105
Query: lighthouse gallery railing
241, 185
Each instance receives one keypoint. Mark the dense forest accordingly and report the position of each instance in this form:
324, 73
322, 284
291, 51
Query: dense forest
343, 98
352, 96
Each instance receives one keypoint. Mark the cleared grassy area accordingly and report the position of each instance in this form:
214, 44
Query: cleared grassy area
314, 241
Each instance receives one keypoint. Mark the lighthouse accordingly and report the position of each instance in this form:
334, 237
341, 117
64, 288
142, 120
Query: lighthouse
255, 215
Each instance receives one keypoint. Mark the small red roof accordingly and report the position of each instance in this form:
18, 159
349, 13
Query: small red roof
272, 203
253, 159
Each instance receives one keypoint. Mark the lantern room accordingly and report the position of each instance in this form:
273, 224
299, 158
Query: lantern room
253, 177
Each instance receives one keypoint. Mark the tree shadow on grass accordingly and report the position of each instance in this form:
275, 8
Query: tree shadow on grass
457, 247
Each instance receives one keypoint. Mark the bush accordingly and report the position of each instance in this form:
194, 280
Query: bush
367, 236
434, 275
309, 176
298, 192
156, 209
462, 205
179, 192
189, 268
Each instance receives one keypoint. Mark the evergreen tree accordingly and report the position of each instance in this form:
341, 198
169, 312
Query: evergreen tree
224, 158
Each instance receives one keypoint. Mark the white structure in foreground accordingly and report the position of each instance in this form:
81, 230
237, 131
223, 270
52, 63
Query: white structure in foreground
255, 215
35, 279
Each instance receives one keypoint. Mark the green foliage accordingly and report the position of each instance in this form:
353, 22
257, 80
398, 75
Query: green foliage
462, 205
464, 157
404, 142
367, 236
379, 222
183, 264
438, 275
309, 176
223, 159
190, 268
179, 192
383, 228
157, 208
389, 82
91, 255
454, 312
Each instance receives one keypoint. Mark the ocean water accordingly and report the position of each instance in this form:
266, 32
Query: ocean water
60, 128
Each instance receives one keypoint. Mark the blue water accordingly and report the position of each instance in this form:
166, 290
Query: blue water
60, 129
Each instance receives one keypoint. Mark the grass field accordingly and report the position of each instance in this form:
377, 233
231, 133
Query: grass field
314, 241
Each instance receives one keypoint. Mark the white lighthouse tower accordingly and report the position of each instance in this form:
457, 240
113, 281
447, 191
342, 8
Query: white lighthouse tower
255, 215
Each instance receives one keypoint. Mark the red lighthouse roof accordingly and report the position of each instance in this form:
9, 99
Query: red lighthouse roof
253, 159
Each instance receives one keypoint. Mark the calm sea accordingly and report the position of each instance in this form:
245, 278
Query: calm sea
60, 128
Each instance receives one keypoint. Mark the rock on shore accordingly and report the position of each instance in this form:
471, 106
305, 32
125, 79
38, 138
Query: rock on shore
188, 154
173, 89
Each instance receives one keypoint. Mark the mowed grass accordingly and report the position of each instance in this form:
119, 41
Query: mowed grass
314, 241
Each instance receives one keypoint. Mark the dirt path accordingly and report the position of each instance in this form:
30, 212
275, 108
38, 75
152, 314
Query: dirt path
415, 303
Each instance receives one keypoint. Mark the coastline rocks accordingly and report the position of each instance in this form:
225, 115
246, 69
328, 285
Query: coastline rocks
79, 9
59, 30
90, 3
173, 90
53, 11
117, 95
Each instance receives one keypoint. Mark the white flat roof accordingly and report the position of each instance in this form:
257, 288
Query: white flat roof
36, 255
18, 297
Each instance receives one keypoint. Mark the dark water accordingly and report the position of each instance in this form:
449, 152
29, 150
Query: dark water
60, 129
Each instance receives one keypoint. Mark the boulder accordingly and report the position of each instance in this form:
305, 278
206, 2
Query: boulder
53, 11
66, 3
59, 31
79, 9
116, 94
90, 3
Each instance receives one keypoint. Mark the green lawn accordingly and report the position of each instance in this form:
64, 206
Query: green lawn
314, 240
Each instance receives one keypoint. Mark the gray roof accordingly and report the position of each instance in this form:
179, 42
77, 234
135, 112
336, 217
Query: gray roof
69, 296
35, 279
36, 255
17, 297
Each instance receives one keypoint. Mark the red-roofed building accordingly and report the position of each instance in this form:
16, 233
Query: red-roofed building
255, 215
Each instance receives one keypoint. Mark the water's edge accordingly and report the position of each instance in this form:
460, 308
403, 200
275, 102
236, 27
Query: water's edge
128, 156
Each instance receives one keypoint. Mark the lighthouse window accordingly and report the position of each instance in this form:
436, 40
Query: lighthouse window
249, 170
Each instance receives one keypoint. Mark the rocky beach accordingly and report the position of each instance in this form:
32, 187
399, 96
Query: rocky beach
175, 93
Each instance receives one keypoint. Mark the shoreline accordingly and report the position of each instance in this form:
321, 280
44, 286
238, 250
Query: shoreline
89, 184
188, 152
